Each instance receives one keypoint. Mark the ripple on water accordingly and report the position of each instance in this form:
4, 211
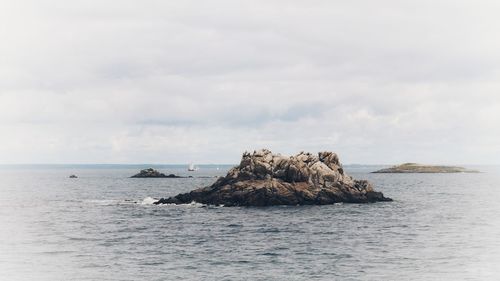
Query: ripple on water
439, 228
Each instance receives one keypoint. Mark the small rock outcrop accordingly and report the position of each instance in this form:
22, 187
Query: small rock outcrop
152, 173
265, 179
73, 176
419, 168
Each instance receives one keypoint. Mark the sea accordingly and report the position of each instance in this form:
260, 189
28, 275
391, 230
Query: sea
103, 226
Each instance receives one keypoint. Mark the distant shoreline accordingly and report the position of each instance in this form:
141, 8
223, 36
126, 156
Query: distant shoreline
424, 169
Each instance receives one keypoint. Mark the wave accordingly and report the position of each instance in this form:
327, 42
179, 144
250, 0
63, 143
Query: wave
193, 204
148, 201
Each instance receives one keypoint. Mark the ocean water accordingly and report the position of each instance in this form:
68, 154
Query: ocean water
102, 226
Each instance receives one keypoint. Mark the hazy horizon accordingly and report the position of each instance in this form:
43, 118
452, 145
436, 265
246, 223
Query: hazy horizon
382, 82
221, 164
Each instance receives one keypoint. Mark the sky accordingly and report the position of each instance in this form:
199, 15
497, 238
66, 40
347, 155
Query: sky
155, 81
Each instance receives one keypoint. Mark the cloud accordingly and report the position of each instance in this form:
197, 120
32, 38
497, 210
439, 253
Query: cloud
173, 82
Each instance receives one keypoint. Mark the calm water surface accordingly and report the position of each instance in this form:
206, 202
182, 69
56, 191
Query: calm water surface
102, 226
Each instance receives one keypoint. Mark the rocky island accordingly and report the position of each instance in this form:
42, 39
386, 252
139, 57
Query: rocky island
419, 168
264, 179
152, 173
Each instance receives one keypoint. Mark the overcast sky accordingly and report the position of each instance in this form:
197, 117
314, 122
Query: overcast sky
378, 82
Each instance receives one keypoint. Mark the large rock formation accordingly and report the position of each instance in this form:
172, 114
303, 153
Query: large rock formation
264, 179
419, 168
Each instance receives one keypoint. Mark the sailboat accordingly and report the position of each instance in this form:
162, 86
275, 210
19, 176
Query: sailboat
192, 168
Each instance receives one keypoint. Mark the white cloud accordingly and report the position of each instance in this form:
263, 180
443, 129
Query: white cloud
178, 81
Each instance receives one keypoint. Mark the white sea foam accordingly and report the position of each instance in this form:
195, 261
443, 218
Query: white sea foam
194, 204
148, 201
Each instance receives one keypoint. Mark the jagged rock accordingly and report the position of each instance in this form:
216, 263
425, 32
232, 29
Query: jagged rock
264, 179
152, 173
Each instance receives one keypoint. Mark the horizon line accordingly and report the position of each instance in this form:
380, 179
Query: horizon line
207, 164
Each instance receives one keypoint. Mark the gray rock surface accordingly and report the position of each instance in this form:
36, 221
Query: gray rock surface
264, 179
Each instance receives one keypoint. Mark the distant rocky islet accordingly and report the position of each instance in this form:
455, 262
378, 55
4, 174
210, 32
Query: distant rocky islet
420, 168
152, 173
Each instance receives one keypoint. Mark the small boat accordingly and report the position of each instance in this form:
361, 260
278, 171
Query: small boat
192, 168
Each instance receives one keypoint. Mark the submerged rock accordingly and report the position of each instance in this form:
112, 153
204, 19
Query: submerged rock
73, 176
419, 168
265, 179
152, 173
